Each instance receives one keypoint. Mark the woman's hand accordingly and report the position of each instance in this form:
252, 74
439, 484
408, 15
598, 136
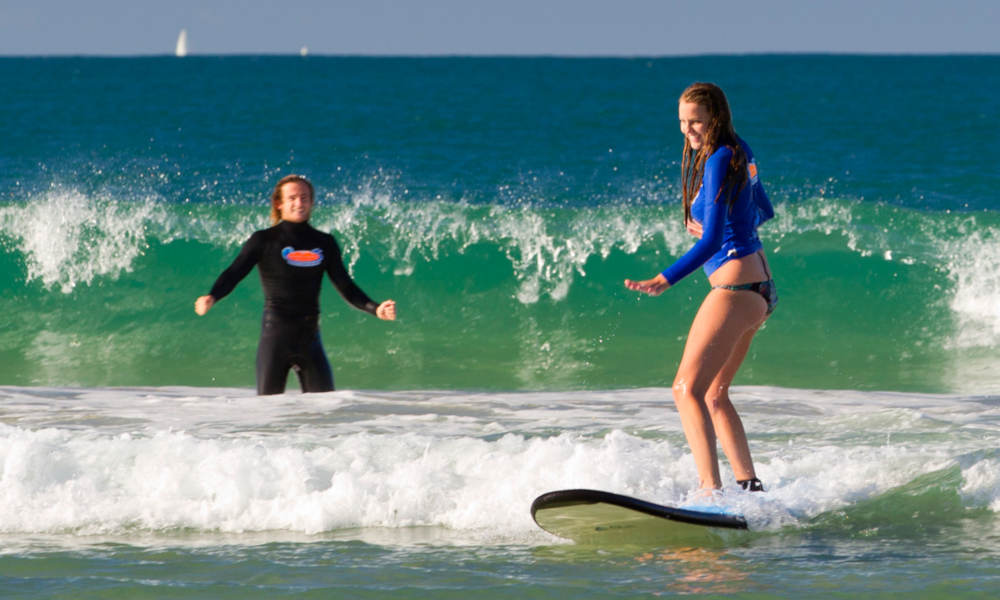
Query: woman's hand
203, 303
653, 287
694, 228
386, 311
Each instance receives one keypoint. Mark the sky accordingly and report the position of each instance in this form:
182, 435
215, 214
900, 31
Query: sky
499, 27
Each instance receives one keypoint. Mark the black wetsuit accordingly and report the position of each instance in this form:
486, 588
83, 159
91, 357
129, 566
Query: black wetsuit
292, 258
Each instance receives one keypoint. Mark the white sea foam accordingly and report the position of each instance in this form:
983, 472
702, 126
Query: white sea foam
115, 461
982, 483
972, 264
68, 238
546, 247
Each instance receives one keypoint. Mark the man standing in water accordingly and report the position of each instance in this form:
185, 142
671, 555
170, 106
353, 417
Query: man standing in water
292, 257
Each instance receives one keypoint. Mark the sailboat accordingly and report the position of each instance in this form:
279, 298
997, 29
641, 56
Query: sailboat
182, 43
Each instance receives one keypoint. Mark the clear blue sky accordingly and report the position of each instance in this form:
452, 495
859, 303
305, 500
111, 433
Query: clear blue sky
476, 27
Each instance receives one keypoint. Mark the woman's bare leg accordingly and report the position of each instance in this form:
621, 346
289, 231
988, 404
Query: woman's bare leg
724, 323
725, 420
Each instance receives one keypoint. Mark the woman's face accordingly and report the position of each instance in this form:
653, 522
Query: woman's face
296, 202
694, 122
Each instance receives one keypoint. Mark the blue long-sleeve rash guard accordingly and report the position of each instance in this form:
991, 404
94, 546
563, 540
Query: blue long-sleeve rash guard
727, 232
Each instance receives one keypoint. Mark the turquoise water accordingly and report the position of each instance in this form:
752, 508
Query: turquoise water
500, 202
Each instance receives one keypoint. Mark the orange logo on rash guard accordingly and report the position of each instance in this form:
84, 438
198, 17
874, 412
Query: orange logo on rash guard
302, 258
752, 167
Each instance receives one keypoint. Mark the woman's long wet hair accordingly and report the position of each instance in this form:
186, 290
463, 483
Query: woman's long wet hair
276, 194
719, 132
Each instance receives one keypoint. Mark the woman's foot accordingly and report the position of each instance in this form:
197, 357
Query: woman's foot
751, 485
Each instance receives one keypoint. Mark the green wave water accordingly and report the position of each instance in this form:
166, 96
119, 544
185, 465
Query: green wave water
496, 296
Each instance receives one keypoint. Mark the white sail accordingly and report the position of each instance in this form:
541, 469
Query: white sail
182, 43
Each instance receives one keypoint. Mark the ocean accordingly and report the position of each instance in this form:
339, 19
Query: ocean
501, 202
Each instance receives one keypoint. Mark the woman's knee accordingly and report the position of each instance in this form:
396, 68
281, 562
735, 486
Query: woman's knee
717, 397
686, 392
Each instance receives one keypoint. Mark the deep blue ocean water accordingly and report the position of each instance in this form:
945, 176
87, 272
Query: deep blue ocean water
500, 202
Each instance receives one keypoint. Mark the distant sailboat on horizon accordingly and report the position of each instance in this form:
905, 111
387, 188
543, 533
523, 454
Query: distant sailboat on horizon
182, 43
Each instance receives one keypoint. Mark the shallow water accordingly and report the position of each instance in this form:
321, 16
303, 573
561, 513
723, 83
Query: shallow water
215, 492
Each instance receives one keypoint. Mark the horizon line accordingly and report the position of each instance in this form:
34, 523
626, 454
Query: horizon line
313, 54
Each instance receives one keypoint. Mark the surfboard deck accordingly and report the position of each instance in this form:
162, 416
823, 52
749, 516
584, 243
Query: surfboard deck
595, 517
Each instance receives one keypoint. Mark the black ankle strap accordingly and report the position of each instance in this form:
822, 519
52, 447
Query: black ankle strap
752, 485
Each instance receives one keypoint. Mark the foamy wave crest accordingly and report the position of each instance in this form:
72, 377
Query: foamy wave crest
68, 238
547, 247
869, 230
412, 230
57, 480
981, 483
548, 250
972, 264
964, 248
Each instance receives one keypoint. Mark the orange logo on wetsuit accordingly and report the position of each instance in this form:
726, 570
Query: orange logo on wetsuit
752, 167
302, 258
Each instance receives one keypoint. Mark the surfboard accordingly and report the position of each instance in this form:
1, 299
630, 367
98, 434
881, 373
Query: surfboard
594, 517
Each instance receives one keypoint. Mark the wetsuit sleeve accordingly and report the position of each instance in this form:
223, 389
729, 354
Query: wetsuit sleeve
343, 282
248, 257
713, 222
